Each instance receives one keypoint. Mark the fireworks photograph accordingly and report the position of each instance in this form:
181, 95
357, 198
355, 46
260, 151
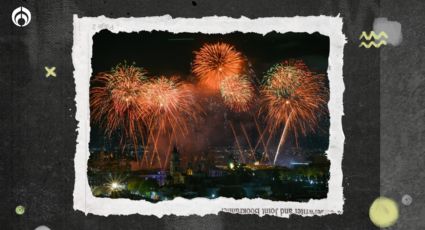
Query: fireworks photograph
193, 115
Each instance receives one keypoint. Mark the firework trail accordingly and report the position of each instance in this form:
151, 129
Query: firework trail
115, 102
265, 155
237, 143
171, 105
214, 62
252, 151
156, 151
293, 97
237, 92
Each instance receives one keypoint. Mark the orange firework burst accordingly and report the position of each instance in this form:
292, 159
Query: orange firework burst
295, 97
115, 101
171, 104
237, 92
214, 62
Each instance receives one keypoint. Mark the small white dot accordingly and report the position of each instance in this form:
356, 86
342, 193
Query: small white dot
406, 199
42, 227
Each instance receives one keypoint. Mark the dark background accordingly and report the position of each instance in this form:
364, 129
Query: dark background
38, 123
164, 53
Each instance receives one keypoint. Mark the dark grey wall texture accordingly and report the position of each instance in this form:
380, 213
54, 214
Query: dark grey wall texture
383, 102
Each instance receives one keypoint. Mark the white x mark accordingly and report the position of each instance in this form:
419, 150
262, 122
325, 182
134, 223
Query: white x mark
50, 71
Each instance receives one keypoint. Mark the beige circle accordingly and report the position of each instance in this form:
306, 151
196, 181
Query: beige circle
383, 212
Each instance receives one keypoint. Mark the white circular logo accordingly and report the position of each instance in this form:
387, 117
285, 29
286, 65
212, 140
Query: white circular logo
21, 16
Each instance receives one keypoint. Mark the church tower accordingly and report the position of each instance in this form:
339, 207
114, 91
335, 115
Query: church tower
175, 162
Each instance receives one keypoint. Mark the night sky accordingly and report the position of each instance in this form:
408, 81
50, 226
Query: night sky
164, 53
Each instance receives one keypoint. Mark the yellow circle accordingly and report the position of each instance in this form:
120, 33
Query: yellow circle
20, 210
383, 212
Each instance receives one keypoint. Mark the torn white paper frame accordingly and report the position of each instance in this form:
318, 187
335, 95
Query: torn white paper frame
86, 27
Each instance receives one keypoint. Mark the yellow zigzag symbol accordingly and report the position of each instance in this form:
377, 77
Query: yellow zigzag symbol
372, 43
372, 34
